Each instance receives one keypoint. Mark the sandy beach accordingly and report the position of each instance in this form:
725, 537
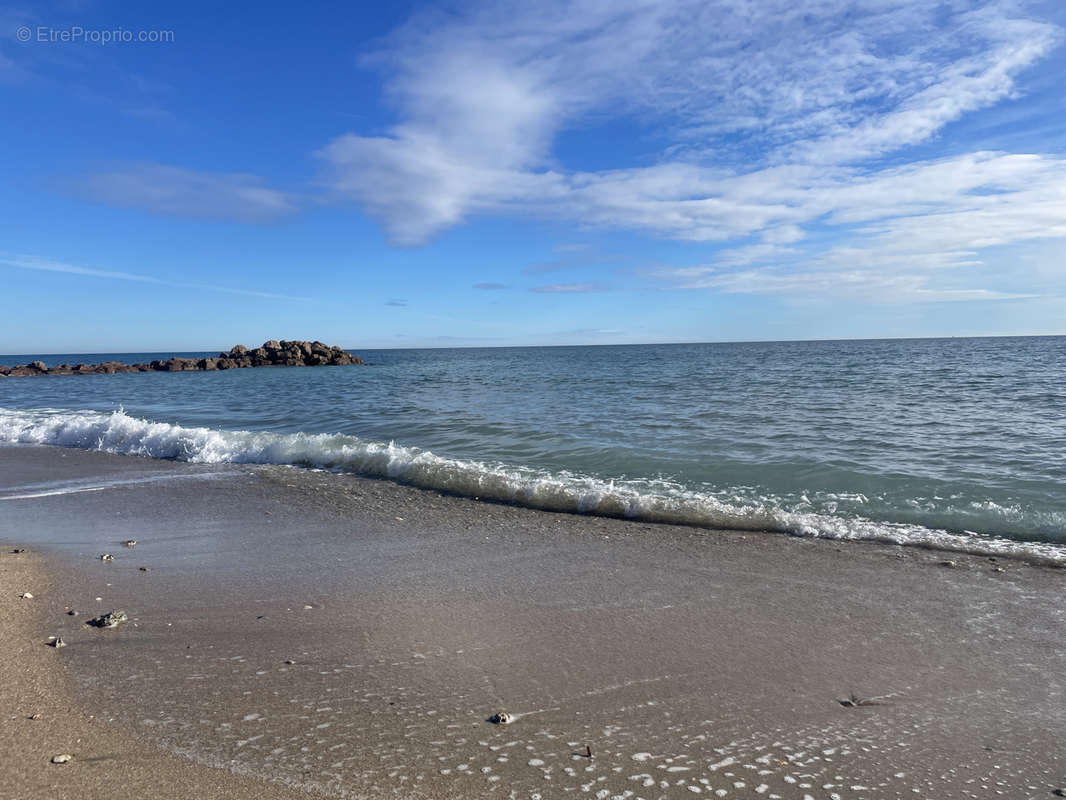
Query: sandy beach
299, 633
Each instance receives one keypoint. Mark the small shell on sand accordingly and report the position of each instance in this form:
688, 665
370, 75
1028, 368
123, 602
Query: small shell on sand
62, 758
501, 718
107, 557
25, 596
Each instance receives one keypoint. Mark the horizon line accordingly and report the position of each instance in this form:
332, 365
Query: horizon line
578, 344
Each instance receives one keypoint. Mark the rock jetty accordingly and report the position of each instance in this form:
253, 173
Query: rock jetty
270, 354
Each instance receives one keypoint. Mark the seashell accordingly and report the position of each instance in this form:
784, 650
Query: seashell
26, 596
62, 758
501, 718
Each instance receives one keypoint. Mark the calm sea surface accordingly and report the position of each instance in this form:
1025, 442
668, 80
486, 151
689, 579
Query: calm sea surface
954, 442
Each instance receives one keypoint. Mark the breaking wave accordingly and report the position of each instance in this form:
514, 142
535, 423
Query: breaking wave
645, 500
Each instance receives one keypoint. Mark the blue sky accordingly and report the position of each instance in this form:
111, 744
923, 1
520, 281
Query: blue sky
517, 173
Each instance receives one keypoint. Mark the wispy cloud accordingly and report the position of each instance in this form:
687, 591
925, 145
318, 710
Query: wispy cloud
46, 265
908, 229
775, 119
397, 302
570, 256
482, 93
491, 287
177, 192
572, 288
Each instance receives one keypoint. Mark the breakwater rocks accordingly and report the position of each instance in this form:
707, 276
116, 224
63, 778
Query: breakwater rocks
270, 354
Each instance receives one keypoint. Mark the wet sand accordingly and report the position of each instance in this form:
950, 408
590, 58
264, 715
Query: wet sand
348, 637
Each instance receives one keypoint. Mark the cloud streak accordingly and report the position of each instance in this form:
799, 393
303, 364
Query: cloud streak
47, 265
171, 191
572, 288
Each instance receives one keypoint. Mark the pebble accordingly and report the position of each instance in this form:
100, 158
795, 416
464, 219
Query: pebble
1060, 792
111, 619
62, 758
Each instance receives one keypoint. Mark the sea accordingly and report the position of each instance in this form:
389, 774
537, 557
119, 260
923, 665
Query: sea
955, 443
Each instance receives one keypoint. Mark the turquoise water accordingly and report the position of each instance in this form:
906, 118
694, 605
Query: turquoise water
952, 442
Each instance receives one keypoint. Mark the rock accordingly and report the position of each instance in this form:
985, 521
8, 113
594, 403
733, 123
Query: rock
112, 619
1060, 792
271, 353
72, 613
62, 758
501, 718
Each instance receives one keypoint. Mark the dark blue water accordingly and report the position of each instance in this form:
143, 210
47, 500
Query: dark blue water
946, 441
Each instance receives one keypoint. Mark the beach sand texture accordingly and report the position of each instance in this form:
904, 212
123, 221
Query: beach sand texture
303, 633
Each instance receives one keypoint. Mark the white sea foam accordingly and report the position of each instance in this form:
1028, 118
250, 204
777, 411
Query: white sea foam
650, 501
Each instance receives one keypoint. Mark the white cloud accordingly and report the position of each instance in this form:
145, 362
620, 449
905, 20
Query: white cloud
177, 192
908, 231
481, 94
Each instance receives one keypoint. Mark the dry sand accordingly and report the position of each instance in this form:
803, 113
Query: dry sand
349, 637
44, 717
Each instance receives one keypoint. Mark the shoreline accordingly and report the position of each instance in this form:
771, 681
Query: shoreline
692, 658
